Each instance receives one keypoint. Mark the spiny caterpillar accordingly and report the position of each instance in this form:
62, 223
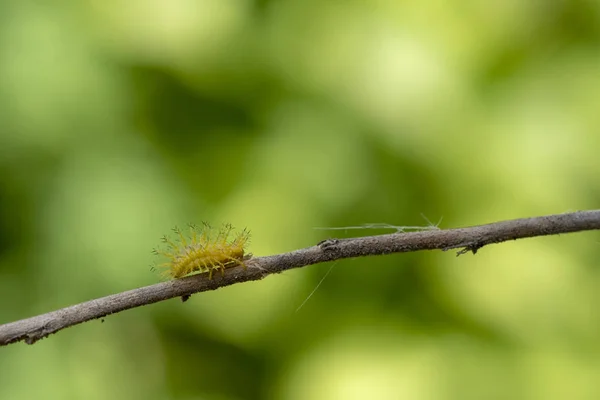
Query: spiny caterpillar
203, 250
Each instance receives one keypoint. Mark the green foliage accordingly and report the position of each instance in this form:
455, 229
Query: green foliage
121, 119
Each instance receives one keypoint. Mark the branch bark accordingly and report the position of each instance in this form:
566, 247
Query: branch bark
469, 239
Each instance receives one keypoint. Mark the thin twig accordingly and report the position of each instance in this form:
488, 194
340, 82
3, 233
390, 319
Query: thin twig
469, 239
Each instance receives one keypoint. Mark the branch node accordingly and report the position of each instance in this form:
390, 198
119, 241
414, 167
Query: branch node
328, 244
473, 248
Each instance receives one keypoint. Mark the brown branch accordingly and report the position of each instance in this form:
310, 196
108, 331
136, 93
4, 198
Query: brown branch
469, 239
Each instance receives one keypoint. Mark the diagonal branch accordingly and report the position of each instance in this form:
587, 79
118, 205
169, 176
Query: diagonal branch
469, 239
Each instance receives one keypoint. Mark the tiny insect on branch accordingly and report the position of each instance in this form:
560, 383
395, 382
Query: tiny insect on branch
204, 249
469, 239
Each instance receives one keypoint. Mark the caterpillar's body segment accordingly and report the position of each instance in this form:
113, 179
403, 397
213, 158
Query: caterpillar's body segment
203, 250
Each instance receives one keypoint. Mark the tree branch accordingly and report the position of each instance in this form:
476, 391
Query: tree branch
469, 239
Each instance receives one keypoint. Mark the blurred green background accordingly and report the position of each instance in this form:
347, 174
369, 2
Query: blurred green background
122, 119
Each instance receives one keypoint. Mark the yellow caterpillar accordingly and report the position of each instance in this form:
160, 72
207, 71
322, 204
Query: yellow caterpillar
203, 250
